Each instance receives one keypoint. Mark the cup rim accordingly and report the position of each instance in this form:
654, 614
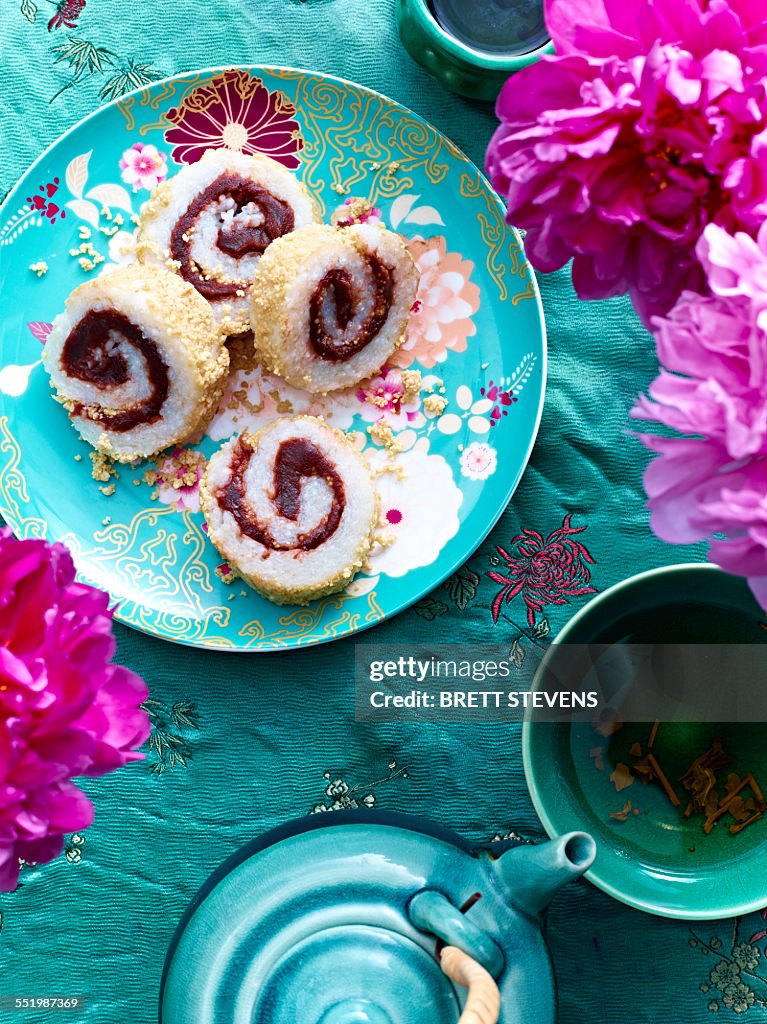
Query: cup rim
552, 821
420, 10
600, 601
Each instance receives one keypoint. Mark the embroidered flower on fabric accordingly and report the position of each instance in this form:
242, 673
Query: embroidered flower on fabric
73, 850
67, 13
746, 956
340, 796
738, 998
724, 975
543, 571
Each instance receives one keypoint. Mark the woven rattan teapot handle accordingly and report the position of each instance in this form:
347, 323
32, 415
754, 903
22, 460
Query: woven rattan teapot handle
484, 1001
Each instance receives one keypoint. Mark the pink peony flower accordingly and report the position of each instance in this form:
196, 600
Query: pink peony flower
65, 710
713, 390
650, 123
143, 166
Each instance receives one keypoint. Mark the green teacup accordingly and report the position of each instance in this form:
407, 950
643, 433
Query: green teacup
457, 65
651, 854
677, 604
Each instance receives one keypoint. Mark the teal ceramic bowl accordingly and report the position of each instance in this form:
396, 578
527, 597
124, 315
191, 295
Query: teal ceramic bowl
656, 860
461, 68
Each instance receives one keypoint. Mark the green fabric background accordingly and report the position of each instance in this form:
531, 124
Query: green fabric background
264, 739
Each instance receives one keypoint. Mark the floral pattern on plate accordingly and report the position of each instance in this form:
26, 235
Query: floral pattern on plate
447, 299
234, 110
419, 509
459, 399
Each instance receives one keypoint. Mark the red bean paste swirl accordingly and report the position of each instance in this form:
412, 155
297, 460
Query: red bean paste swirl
92, 353
333, 306
234, 239
296, 459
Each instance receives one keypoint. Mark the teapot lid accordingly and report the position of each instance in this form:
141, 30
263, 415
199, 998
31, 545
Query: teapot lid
314, 923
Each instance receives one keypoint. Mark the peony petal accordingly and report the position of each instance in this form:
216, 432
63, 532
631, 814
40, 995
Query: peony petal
65, 709
598, 27
617, 152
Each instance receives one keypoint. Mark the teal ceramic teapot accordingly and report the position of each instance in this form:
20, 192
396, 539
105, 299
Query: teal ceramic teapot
340, 919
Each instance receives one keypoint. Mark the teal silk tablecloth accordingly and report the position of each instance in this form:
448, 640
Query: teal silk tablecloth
242, 743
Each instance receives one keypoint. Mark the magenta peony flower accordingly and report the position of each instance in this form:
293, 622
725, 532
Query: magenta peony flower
650, 123
713, 389
65, 710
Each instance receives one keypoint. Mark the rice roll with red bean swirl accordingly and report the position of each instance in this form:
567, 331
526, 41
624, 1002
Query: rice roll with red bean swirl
292, 508
212, 222
137, 360
331, 305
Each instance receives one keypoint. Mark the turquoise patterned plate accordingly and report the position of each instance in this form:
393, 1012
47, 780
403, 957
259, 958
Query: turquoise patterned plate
477, 335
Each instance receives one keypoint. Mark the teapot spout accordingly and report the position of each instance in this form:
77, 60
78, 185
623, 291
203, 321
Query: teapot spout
532, 875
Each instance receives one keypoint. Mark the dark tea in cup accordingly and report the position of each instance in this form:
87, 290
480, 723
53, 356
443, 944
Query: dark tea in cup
494, 27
